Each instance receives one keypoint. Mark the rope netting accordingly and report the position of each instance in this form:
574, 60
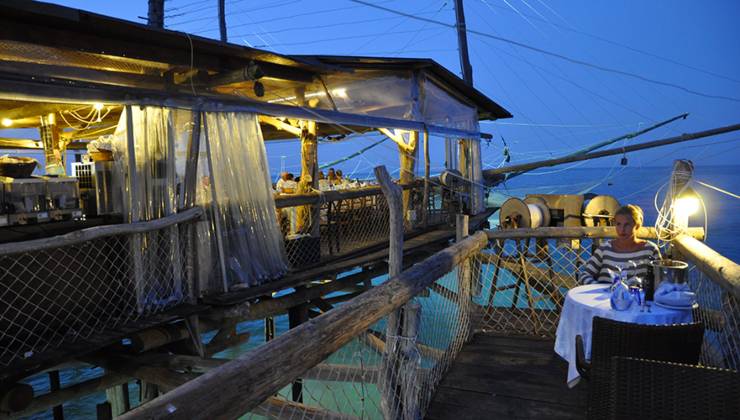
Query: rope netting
349, 225
526, 283
719, 311
52, 297
383, 375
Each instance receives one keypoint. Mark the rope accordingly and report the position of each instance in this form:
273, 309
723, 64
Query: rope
718, 189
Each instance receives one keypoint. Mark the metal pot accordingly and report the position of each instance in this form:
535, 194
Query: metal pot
672, 271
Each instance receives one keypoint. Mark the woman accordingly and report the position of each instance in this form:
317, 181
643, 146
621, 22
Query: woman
626, 251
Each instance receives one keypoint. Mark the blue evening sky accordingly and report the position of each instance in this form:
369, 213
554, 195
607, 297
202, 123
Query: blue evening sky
634, 50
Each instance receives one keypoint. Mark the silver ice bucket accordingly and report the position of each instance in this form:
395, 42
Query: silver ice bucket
672, 271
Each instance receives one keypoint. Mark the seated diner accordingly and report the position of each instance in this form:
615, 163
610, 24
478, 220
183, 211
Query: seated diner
626, 252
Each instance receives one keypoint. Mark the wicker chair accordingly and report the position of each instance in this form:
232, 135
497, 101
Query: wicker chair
649, 389
670, 343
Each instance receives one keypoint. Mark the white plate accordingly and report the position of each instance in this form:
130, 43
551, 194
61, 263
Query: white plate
677, 308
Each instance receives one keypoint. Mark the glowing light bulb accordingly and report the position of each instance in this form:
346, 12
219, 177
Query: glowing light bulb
98, 106
687, 205
7, 122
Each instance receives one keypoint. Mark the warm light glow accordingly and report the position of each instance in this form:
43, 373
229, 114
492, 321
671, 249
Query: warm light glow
687, 205
7, 122
98, 106
339, 93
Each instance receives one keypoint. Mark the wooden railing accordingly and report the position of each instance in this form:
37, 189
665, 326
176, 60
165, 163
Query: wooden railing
241, 385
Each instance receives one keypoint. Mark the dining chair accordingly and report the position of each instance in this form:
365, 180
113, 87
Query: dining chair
650, 389
680, 343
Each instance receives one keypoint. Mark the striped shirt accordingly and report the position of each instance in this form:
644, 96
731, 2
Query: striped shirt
606, 260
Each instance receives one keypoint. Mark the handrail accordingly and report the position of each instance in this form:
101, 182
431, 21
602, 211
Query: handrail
89, 234
292, 200
722, 270
578, 232
242, 384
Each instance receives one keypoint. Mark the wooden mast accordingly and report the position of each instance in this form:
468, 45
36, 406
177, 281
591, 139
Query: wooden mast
155, 17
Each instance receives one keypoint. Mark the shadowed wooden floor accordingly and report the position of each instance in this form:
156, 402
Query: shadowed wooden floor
507, 377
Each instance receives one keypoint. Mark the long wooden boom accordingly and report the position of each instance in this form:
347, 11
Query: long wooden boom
493, 176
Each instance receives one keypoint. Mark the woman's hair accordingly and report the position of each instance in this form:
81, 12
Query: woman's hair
633, 211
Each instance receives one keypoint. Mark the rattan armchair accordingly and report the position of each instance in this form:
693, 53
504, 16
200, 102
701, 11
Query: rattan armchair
649, 389
672, 343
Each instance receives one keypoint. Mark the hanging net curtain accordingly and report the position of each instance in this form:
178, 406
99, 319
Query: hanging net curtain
240, 196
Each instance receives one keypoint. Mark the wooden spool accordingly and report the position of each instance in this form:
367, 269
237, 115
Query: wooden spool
529, 213
601, 205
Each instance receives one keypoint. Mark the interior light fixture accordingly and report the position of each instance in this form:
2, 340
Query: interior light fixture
98, 106
7, 122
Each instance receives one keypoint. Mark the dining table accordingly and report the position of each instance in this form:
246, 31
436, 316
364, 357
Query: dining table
582, 303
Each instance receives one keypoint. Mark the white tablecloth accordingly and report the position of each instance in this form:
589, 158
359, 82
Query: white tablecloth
582, 303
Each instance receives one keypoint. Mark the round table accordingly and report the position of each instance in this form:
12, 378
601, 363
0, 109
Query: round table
582, 303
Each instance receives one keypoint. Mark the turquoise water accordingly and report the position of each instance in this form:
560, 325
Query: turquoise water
628, 185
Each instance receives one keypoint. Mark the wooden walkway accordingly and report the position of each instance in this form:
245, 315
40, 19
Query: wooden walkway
507, 377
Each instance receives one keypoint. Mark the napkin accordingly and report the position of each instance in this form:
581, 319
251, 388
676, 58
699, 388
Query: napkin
675, 294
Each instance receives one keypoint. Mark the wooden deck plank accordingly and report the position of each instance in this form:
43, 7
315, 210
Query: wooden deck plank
504, 376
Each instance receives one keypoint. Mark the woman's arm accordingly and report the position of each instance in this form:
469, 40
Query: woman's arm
590, 272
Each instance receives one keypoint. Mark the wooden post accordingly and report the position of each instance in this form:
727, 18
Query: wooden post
147, 391
119, 399
55, 385
425, 204
390, 401
308, 216
222, 20
464, 278
409, 368
408, 156
54, 149
297, 315
104, 411
155, 17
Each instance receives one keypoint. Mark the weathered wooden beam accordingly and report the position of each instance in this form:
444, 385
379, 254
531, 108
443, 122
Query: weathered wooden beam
722, 270
115, 78
275, 306
397, 138
280, 125
578, 233
493, 174
93, 233
240, 385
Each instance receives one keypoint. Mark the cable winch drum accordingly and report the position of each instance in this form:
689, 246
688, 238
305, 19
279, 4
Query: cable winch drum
600, 211
530, 213
451, 178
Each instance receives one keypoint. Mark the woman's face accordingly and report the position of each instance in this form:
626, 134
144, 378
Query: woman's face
626, 227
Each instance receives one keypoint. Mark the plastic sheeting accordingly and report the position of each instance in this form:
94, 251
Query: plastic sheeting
441, 109
151, 193
367, 92
239, 191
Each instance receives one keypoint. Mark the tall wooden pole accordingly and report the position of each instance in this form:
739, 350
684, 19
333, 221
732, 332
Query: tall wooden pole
155, 17
462, 41
222, 20
389, 385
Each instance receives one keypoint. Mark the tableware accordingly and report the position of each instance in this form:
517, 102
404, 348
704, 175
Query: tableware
676, 308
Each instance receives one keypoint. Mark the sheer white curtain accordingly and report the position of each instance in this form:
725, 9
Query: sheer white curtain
242, 205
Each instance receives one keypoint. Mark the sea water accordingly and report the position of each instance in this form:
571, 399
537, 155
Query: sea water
629, 185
